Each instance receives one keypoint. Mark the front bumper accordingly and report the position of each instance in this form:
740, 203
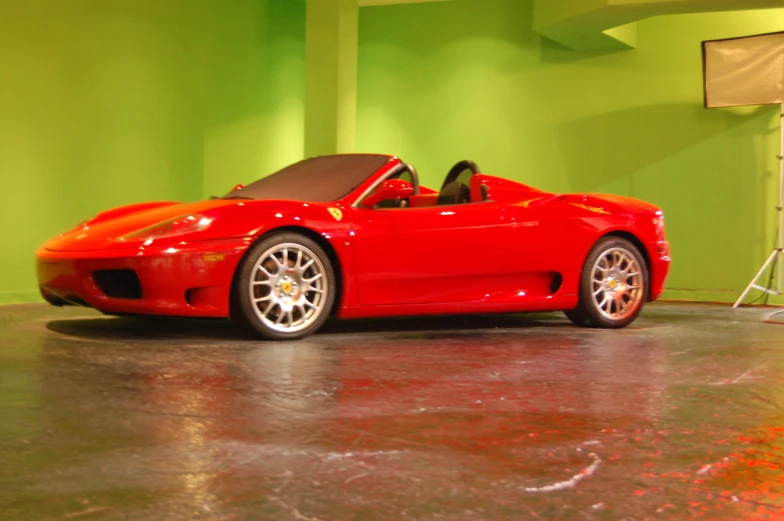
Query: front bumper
185, 279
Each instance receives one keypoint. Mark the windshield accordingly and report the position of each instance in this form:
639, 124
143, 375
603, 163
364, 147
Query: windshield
318, 180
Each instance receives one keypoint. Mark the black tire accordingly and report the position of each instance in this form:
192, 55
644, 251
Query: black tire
242, 305
587, 313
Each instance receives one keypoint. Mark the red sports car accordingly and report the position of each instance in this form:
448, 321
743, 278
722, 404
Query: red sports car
355, 235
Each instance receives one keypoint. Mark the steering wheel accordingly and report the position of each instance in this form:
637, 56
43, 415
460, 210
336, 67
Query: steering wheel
458, 169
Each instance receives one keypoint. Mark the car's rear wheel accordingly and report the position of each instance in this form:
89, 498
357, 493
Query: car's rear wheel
285, 287
613, 285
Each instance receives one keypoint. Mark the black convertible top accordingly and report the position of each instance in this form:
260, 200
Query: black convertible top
319, 179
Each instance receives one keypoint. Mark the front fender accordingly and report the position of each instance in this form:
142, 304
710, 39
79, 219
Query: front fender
123, 211
329, 225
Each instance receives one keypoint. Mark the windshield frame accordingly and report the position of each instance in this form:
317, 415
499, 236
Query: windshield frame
367, 188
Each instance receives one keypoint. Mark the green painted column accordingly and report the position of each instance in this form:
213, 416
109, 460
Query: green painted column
331, 32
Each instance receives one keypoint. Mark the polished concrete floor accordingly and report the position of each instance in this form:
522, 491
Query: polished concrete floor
677, 417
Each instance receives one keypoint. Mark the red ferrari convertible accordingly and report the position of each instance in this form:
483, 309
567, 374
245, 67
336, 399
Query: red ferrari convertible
356, 235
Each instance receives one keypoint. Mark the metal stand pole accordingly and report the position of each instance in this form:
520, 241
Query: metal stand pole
779, 251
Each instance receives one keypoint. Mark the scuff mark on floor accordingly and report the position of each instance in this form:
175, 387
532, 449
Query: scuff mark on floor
570, 483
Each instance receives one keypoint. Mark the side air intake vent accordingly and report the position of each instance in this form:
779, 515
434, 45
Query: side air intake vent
118, 283
555, 285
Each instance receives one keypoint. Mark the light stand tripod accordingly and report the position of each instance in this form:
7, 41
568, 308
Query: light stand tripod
779, 251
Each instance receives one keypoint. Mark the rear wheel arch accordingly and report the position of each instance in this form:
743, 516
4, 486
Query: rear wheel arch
587, 312
640, 246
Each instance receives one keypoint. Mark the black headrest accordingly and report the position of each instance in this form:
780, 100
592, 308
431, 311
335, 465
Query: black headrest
454, 193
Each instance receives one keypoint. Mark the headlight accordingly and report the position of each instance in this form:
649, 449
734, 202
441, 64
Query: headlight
177, 226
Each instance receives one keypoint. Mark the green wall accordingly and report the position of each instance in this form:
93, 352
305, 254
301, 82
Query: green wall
109, 103
445, 81
255, 102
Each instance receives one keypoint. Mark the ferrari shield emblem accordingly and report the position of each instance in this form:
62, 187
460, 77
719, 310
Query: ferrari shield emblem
336, 213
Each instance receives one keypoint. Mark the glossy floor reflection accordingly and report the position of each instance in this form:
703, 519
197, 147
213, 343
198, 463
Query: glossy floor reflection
676, 417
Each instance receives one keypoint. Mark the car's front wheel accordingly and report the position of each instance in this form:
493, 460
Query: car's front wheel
285, 287
613, 285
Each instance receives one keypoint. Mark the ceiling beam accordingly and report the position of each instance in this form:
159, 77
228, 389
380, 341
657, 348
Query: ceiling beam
365, 3
591, 25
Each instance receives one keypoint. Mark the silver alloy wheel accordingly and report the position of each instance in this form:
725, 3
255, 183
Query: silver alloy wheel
617, 283
288, 287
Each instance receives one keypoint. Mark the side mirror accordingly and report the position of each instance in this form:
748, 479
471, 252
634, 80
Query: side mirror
389, 189
237, 187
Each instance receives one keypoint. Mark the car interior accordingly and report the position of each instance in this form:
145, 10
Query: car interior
462, 185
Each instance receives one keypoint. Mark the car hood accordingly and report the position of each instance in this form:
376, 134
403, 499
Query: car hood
110, 229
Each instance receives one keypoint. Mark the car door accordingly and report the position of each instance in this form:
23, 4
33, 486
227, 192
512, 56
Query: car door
428, 255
